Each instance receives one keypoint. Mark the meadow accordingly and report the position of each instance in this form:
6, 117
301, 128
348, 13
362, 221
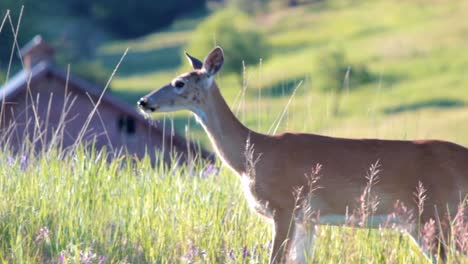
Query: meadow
416, 52
77, 207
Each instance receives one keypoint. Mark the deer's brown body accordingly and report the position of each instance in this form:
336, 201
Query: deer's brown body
286, 158
279, 165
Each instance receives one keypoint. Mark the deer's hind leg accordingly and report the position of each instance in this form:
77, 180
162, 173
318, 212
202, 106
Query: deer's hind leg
284, 230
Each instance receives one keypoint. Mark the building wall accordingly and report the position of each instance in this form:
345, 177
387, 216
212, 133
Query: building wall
110, 126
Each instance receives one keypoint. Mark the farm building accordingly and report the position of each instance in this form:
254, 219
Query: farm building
45, 104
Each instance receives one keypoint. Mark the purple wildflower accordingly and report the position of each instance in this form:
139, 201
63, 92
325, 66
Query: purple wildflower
102, 260
11, 161
245, 252
62, 257
232, 255
191, 253
209, 170
23, 162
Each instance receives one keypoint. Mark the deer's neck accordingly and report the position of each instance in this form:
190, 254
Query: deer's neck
227, 134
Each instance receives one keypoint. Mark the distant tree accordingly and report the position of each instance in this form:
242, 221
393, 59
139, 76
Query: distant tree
135, 18
80, 7
250, 6
92, 71
27, 28
2, 77
292, 2
122, 17
336, 74
235, 33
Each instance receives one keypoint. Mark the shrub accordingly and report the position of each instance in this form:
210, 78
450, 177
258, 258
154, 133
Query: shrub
335, 74
235, 33
92, 72
134, 18
2, 77
249, 6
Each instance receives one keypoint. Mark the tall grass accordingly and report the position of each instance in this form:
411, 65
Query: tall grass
81, 208
62, 208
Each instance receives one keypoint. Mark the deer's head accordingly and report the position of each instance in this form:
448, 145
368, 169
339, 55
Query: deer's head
189, 90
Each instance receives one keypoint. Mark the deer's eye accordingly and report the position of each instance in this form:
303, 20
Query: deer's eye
179, 84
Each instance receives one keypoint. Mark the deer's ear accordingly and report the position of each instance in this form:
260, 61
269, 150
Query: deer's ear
196, 63
214, 61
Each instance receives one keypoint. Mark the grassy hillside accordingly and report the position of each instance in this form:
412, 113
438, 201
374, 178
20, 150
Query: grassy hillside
80, 208
417, 53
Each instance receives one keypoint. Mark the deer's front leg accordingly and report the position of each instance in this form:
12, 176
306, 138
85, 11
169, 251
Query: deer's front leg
284, 228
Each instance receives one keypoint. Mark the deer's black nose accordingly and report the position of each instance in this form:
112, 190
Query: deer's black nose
142, 103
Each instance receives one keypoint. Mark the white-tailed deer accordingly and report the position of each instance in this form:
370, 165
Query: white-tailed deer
273, 168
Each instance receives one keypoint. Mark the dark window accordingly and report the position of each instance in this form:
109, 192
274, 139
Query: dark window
126, 124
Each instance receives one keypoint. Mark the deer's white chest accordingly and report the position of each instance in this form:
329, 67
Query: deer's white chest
261, 207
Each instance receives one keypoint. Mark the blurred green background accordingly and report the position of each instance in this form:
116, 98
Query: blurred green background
360, 68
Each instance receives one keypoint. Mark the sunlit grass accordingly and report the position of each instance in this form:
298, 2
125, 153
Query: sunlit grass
81, 208
123, 210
